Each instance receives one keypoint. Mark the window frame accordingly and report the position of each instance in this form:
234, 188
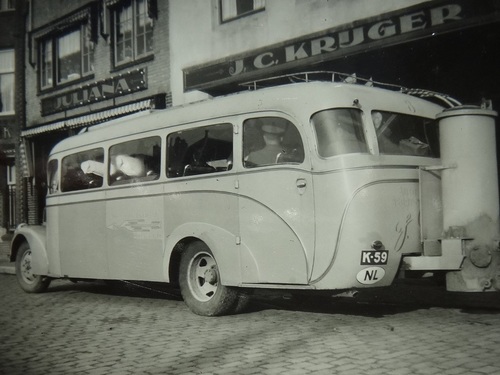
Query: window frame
291, 142
179, 167
49, 76
150, 161
6, 5
9, 72
255, 9
82, 180
135, 32
339, 144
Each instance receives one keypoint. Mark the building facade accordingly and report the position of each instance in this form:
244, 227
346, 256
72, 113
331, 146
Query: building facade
87, 61
442, 45
11, 110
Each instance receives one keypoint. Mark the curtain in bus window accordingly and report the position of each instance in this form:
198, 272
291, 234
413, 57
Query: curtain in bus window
135, 161
339, 131
83, 170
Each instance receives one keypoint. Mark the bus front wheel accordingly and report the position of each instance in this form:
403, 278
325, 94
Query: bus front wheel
200, 285
28, 281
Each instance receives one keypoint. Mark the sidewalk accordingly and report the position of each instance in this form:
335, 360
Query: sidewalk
7, 267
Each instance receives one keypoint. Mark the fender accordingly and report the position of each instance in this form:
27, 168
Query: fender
35, 235
221, 242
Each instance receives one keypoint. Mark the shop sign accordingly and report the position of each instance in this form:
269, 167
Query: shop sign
389, 29
120, 85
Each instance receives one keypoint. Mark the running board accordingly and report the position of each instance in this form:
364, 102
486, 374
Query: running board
278, 286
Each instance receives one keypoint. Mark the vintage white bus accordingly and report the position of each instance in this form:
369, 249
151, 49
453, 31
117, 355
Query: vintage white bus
305, 186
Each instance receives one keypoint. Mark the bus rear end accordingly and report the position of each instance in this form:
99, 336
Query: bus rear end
403, 187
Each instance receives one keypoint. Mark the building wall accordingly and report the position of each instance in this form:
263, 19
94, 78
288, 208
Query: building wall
198, 36
46, 15
158, 73
11, 34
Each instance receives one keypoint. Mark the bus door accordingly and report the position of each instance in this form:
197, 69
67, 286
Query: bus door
199, 198
80, 216
134, 210
276, 204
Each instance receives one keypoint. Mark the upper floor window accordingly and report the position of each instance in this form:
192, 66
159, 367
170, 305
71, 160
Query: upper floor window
133, 31
231, 9
6, 5
6, 82
66, 57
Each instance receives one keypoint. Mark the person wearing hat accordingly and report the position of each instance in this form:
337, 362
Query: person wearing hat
272, 133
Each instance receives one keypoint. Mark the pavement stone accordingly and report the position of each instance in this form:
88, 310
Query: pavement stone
87, 328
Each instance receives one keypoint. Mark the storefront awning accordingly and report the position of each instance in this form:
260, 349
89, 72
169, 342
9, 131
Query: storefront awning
88, 120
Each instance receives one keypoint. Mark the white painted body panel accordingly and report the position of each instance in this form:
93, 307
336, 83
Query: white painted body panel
292, 225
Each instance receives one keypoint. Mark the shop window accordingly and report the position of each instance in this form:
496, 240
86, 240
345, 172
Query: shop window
135, 161
201, 150
133, 31
231, 9
6, 82
66, 57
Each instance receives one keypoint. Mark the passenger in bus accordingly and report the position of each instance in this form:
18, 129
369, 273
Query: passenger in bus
272, 134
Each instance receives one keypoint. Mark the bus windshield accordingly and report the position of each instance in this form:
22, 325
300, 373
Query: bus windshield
400, 134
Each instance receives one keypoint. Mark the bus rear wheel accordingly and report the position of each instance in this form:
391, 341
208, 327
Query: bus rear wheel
28, 281
199, 281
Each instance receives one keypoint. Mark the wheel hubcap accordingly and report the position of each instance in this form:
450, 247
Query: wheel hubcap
203, 277
211, 276
26, 270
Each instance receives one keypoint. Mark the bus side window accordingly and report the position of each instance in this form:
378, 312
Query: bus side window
200, 150
271, 140
83, 170
339, 131
135, 161
53, 176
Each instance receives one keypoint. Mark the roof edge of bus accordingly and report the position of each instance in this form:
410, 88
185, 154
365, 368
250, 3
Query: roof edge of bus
117, 120
184, 114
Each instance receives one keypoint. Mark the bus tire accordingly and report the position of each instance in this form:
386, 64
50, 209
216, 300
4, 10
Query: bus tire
199, 281
28, 281
242, 303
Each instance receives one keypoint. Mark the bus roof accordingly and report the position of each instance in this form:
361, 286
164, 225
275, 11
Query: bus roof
299, 100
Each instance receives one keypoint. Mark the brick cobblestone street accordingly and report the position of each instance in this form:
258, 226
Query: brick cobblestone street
88, 328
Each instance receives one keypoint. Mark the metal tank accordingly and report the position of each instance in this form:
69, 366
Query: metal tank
470, 201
